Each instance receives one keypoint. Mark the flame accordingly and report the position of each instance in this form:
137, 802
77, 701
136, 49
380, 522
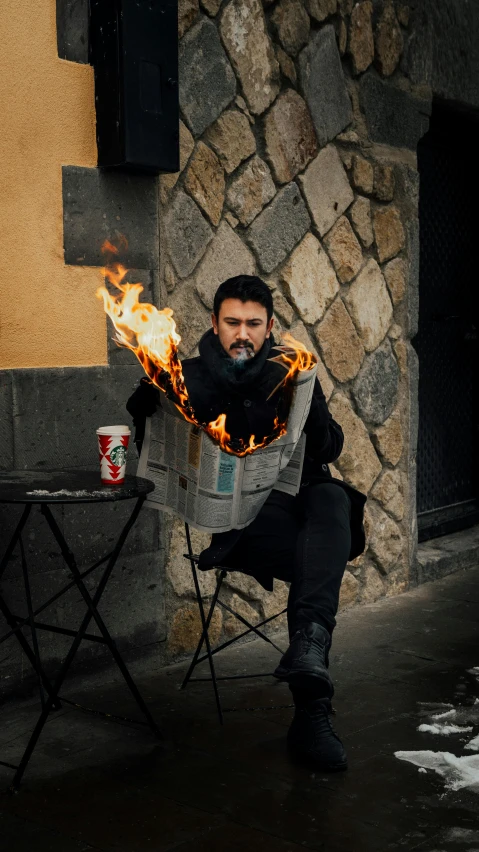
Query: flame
294, 356
151, 334
217, 430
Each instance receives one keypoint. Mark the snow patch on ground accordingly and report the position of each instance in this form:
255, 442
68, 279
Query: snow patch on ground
462, 715
473, 745
462, 835
444, 730
444, 720
458, 772
449, 714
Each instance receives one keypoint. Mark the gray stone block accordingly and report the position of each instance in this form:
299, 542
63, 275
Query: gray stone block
99, 205
72, 30
118, 355
65, 611
446, 555
92, 529
134, 603
281, 225
57, 412
324, 86
207, 80
6, 420
393, 117
376, 385
191, 317
41, 550
187, 234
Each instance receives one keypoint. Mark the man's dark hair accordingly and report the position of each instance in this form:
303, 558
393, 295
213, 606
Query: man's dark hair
246, 288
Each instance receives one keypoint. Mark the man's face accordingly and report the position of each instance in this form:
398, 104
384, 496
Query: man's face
242, 328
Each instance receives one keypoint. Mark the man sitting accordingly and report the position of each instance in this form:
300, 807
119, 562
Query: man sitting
305, 540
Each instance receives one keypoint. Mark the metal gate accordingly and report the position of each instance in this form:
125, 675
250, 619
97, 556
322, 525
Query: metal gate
447, 339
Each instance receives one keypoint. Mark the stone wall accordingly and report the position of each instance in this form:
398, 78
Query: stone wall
298, 136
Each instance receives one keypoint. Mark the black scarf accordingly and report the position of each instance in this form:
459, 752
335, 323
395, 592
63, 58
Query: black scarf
233, 377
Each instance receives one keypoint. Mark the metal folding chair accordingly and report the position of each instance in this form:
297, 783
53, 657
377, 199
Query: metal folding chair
198, 658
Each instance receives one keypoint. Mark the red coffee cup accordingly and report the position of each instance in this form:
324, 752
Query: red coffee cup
112, 448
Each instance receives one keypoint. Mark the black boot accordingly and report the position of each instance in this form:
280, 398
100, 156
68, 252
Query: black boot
305, 663
311, 737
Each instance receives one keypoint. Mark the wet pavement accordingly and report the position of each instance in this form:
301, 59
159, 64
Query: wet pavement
94, 784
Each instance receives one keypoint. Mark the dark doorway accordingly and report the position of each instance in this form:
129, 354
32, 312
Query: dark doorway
447, 339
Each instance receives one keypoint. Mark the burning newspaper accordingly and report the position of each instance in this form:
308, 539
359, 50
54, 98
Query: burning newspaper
151, 334
210, 489
199, 473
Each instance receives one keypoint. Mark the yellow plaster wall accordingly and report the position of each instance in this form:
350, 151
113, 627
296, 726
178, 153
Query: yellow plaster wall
49, 315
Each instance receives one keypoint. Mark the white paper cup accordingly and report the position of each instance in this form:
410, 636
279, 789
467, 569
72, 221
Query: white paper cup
112, 449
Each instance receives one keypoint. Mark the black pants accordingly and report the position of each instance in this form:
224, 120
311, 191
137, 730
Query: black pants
306, 541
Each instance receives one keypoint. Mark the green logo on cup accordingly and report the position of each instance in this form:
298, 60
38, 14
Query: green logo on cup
118, 455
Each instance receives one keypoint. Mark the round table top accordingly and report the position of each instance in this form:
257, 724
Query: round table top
66, 486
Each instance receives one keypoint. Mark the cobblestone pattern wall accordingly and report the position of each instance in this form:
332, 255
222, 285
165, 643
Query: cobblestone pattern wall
291, 168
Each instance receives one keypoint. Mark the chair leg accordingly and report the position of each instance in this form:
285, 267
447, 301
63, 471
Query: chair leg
252, 628
243, 634
196, 660
205, 623
204, 638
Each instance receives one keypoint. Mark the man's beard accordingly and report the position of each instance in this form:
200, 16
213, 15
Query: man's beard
240, 356
242, 352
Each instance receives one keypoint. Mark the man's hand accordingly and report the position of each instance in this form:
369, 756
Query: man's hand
148, 394
143, 402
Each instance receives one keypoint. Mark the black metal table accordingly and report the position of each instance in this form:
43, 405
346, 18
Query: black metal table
44, 488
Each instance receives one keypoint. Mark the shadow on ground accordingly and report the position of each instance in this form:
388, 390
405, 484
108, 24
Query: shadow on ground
99, 785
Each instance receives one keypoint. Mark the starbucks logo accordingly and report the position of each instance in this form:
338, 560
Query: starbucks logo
118, 456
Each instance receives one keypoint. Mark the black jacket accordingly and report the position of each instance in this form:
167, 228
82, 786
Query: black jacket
216, 385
